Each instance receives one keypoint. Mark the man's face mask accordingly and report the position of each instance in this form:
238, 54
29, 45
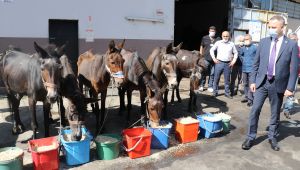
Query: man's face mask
247, 42
273, 32
212, 33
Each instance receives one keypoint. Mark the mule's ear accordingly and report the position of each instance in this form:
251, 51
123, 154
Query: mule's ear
111, 46
90, 100
61, 50
42, 53
121, 45
176, 49
169, 48
150, 93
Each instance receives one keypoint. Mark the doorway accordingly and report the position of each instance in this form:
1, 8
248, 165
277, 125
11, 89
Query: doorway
193, 18
65, 31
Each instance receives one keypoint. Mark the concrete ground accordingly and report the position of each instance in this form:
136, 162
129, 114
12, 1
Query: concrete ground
222, 152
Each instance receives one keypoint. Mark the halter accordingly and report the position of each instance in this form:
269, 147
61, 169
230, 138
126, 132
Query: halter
118, 74
46, 84
147, 111
197, 74
74, 122
173, 75
169, 74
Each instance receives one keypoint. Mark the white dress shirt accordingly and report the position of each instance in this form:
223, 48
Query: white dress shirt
224, 51
278, 45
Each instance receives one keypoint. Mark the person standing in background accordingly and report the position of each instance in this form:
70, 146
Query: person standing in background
223, 62
247, 55
207, 42
236, 70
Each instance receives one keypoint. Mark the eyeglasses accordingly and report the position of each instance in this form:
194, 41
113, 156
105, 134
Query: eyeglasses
225, 36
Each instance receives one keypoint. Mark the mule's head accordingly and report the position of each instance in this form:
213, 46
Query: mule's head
173, 50
114, 64
76, 120
154, 106
51, 70
195, 79
169, 64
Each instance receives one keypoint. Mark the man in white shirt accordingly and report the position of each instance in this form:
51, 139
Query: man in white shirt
223, 62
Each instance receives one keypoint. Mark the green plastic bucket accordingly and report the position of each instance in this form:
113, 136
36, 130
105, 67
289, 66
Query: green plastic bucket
15, 163
225, 121
110, 150
226, 125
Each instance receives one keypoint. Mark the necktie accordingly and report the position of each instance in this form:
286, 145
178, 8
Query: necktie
272, 59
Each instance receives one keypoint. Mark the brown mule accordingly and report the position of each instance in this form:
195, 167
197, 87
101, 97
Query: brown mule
138, 77
37, 76
163, 63
95, 71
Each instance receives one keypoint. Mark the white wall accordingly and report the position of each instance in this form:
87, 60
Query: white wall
29, 18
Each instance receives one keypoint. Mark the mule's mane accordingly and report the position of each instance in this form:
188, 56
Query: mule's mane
152, 57
154, 64
67, 68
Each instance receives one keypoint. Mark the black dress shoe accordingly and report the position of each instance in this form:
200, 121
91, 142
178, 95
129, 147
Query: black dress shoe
274, 144
228, 96
244, 100
247, 144
249, 104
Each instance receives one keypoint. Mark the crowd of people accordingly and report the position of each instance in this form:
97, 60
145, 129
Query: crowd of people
267, 69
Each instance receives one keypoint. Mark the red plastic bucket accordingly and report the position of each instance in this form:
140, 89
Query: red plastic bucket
48, 159
137, 142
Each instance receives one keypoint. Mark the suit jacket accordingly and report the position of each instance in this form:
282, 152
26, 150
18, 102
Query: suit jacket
285, 68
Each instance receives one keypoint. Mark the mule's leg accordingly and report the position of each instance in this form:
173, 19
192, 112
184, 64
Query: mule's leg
62, 112
97, 111
195, 107
103, 115
46, 109
177, 92
14, 103
190, 102
129, 105
165, 116
34, 124
121, 92
200, 109
172, 97
143, 107
94, 105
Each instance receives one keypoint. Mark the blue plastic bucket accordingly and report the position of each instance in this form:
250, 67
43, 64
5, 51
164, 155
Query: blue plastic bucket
210, 125
160, 136
76, 152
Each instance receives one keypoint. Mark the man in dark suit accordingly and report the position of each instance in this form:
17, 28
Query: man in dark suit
273, 75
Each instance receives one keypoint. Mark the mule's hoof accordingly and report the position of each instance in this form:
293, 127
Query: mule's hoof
179, 100
18, 130
51, 121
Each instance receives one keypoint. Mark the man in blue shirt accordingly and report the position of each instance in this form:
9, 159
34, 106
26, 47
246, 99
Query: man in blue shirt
247, 55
